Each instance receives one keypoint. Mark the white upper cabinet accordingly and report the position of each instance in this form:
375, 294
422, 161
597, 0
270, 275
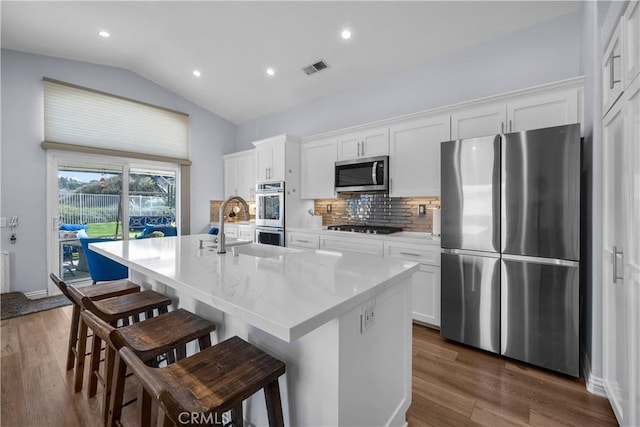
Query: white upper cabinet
543, 110
270, 161
247, 175
240, 174
366, 143
631, 24
612, 69
318, 160
553, 108
414, 159
478, 121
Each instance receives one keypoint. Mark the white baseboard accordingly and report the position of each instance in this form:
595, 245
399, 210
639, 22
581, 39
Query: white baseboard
595, 384
36, 294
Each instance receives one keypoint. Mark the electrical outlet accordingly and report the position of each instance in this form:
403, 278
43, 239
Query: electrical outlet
422, 210
3, 221
368, 316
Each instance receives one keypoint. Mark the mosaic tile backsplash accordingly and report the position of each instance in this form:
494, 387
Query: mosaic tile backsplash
378, 209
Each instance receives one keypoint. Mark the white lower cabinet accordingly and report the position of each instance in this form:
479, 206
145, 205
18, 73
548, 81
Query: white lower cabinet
426, 295
231, 230
303, 240
352, 244
247, 232
240, 231
426, 282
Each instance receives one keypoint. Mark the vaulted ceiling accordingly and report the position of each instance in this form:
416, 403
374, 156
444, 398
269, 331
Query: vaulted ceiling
232, 44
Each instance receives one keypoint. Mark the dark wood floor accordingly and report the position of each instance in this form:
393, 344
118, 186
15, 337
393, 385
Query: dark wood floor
452, 384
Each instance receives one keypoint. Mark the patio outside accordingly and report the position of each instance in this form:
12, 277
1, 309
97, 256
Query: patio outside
96, 206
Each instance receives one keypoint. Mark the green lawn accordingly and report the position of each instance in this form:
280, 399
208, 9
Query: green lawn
106, 229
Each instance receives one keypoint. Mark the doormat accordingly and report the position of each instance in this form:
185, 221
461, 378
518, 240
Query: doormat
14, 304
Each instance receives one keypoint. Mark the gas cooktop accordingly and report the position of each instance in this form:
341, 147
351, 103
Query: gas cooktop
369, 229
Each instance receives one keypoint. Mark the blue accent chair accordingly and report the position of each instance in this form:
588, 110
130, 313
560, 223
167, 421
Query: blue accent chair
167, 230
213, 230
69, 250
102, 268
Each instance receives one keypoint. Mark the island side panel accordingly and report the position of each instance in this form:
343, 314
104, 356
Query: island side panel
375, 365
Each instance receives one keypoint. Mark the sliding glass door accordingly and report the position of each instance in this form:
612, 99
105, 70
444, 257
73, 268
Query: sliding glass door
96, 196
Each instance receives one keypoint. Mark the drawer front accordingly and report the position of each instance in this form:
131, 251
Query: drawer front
364, 246
424, 254
246, 233
303, 240
231, 231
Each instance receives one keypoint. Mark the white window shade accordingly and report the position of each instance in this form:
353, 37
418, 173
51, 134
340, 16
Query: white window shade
88, 118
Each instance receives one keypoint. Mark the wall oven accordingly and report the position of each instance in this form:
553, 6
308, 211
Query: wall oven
270, 236
362, 175
270, 204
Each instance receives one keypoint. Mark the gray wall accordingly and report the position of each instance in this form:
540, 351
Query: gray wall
23, 162
540, 54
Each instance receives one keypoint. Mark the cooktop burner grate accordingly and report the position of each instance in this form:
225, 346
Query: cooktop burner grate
369, 229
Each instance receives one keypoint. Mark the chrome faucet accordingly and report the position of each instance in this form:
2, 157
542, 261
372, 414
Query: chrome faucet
221, 237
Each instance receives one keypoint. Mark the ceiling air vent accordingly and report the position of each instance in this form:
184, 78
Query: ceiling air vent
314, 68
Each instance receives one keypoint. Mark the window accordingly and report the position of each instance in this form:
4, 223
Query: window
77, 117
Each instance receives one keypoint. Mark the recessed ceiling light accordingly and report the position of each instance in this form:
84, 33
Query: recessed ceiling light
346, 34
271, 71
197, 73
104, 34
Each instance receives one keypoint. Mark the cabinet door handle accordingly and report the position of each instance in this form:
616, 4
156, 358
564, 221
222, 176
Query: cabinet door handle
510, 126
616, 252
363, 148
501, 127
302, 241
358, 154
409, 254
612, 80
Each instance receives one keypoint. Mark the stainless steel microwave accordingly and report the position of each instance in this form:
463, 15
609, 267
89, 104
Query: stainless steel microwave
362, 175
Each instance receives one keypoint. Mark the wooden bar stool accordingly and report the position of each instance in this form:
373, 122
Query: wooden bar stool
213, 381
111, 310
95, 293
149, 339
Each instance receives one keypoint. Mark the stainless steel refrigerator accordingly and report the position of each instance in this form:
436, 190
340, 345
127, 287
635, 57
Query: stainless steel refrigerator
511, 245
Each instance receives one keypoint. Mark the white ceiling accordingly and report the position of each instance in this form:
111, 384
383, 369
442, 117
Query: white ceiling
232, 43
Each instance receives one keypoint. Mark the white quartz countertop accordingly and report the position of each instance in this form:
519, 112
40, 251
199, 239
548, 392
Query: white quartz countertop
287, 295
402, 236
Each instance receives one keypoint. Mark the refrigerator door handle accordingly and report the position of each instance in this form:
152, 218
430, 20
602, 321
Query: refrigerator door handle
540, 260
471, 253
615, 277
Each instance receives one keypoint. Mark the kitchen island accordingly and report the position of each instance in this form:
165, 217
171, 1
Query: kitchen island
307, 308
